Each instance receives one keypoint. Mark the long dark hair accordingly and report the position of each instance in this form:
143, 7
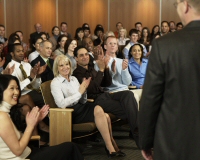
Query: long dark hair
15, 113
59, 40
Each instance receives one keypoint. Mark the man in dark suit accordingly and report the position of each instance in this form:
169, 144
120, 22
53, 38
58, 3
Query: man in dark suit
34, 35
169, 117
43, 58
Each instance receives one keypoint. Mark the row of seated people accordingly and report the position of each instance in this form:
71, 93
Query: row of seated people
30, 78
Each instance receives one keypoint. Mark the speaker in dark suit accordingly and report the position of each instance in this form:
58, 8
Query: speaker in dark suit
169, 116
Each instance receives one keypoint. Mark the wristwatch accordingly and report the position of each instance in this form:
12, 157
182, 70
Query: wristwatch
29, 77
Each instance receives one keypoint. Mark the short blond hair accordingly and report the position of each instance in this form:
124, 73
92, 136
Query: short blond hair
58, 59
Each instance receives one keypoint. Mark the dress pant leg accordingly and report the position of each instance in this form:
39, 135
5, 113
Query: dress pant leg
129, 105
37, 98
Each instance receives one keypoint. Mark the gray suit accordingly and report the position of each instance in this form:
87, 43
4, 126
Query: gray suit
169, 117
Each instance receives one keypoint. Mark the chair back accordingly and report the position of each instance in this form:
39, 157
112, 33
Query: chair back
46, 94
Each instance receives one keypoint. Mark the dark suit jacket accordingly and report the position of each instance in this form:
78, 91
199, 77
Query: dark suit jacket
48, 73
169, 117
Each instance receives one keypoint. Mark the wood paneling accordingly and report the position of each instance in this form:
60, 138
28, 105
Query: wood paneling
71, 11
169, 12
43, 12
18, 15
1, 12
129, 12
96, 12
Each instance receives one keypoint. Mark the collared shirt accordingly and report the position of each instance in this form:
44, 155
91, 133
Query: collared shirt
122, 41
33, 56
45, 59
66, 93
59, 51
128, 46
24, 82
137, 72
120, 79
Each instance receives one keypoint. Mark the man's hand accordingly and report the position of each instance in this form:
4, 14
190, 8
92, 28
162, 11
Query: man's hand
41, 69
2, 61
101, 65
98, 53
26, 60
147, 154
124, 64
9, 70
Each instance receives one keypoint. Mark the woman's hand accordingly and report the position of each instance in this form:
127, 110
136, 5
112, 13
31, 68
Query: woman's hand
32, 117
84, 85
43, 112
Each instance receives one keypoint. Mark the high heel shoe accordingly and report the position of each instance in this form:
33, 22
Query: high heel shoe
112, 154
121, 154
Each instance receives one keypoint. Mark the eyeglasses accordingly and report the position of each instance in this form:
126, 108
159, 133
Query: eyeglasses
176, 4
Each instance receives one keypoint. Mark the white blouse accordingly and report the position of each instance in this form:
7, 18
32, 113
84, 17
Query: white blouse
66, 93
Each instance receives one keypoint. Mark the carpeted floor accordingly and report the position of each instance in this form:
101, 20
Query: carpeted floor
96, 151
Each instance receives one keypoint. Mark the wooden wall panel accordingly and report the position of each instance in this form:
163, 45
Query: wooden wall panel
18, 15
2, 12
131, 11
43, 12
169, 12
96, 12
71, 11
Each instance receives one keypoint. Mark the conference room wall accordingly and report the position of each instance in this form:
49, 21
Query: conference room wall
23, 14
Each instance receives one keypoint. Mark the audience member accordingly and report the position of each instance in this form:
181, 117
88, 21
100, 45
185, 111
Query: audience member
133, 33
44, 36
146, 38
137, 65
138, 26
172, 26
2, 34
70, 45
155, 33
122, 37
169, 113
179, 26
67, 92
99, 33
122, 104
119, 26
34, 35
36, 46
45, 60
164, 28
25, 46
63, 29
55, 34
13, 143
60, 45
79, 35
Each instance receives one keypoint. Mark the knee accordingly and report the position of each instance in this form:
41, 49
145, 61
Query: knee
25, 109
98, 111
107, 117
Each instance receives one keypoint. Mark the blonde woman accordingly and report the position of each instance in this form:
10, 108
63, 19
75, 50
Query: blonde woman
122, 37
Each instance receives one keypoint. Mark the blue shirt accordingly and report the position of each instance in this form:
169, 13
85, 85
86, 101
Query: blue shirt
137, 72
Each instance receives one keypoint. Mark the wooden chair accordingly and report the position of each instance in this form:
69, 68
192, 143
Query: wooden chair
61, 126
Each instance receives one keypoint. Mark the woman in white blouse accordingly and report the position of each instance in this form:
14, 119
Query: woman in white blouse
67, 92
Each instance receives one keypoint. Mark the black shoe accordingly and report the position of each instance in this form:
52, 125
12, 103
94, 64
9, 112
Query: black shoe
121, 154
113, 154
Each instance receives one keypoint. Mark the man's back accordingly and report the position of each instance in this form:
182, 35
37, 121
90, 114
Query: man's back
171, 96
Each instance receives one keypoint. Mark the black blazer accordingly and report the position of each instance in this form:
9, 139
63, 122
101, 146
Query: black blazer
48, 73
169, 116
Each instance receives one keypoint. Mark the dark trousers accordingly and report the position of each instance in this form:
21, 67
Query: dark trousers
37, 98
64, 151
121, 104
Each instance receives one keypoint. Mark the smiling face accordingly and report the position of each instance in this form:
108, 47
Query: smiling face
56, 31
72, 46
64, 68
11, 94
82, 57
89, 44
37, 44
46, 49
18, 54
136, 52
80, 34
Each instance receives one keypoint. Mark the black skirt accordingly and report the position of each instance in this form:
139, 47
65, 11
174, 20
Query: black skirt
83, 113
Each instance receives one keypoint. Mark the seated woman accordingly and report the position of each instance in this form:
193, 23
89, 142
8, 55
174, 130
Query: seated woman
79, 35
60, 45
67, 92
137, 65
13, 145
70, 45
55, 34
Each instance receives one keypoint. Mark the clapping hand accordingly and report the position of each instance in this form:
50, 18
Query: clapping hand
32, 117
84, 85
43, 112
9, 70
124, 64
